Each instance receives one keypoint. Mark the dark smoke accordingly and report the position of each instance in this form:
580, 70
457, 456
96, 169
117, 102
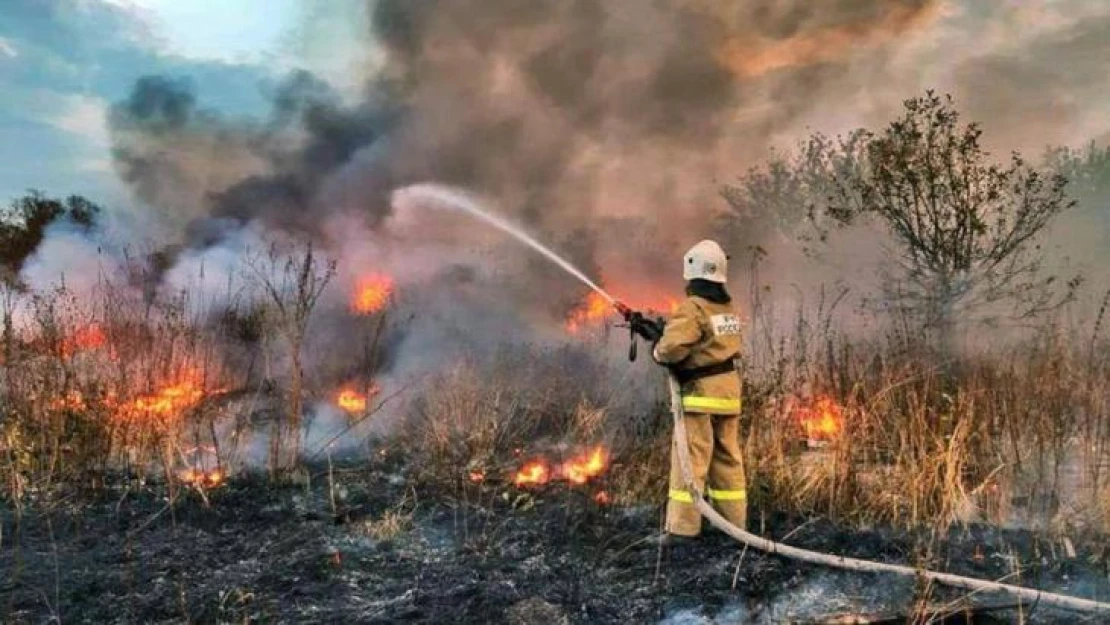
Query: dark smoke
172, 152
577, 115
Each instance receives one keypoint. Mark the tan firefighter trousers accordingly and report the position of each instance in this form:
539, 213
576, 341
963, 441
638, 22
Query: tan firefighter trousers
714, 454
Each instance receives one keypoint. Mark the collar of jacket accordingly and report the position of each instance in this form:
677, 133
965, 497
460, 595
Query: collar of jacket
711, 291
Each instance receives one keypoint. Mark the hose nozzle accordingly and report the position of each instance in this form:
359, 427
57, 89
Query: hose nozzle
623, 309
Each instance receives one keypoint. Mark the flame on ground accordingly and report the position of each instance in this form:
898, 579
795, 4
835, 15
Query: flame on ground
822, 420
533, 473
200, 477
372, 293
578, 470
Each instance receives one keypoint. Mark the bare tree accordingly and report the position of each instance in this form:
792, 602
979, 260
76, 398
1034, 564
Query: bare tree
964, 228
292, 278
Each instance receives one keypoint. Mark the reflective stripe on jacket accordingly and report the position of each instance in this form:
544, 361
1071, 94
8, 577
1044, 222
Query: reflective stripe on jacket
698, 334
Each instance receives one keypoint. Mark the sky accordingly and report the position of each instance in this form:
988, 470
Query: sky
64, 62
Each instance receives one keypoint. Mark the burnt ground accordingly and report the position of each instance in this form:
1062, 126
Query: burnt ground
264, 553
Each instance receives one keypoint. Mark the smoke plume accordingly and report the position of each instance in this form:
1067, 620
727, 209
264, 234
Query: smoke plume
605, 127
575, 116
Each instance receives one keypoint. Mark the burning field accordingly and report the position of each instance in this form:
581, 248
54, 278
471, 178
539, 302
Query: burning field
360, 345
521, 489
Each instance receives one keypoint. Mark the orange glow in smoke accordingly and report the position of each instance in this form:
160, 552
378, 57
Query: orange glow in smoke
595, 309
579, 470
372, 293
823, 420
746, 55
533, 473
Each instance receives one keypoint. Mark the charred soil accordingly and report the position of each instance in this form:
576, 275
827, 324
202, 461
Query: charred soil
360, 543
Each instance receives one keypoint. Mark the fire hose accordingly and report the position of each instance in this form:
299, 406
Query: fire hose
682, 448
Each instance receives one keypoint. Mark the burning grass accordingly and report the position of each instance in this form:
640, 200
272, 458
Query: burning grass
861, 433
902, 440
577, 471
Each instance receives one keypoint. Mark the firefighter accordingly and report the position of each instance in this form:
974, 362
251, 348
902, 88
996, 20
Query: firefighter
700, 343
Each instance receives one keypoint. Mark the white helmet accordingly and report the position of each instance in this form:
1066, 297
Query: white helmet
707, 261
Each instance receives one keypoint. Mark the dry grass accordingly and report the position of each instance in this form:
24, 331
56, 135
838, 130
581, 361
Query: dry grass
927, 441
389, 526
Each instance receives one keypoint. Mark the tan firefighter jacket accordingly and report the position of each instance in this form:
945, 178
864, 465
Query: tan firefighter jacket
698, 334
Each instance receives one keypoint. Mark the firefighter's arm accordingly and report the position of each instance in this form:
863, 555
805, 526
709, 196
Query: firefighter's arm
682, 332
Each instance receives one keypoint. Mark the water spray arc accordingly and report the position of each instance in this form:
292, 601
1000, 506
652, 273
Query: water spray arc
448, 197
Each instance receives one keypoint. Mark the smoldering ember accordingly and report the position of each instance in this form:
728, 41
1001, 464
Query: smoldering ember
559, 311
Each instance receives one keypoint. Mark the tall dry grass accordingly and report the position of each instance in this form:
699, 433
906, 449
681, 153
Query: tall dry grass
1002, 433
1013, 434
99, 382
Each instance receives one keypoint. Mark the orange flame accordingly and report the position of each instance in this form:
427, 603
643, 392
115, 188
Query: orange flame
579, 470
535, 472
602, 498
169, 401
73, 400
592, 311
823, 420
477, 476
372, 293
200, 477
595, 309
83, 339
351, 401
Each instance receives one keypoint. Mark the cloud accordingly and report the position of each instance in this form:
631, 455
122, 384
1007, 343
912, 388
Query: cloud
7, 49
85, 117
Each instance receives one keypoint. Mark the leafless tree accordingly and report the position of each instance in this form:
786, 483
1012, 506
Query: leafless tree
292, 278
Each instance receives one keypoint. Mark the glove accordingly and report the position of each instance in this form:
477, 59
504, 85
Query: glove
651, 330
